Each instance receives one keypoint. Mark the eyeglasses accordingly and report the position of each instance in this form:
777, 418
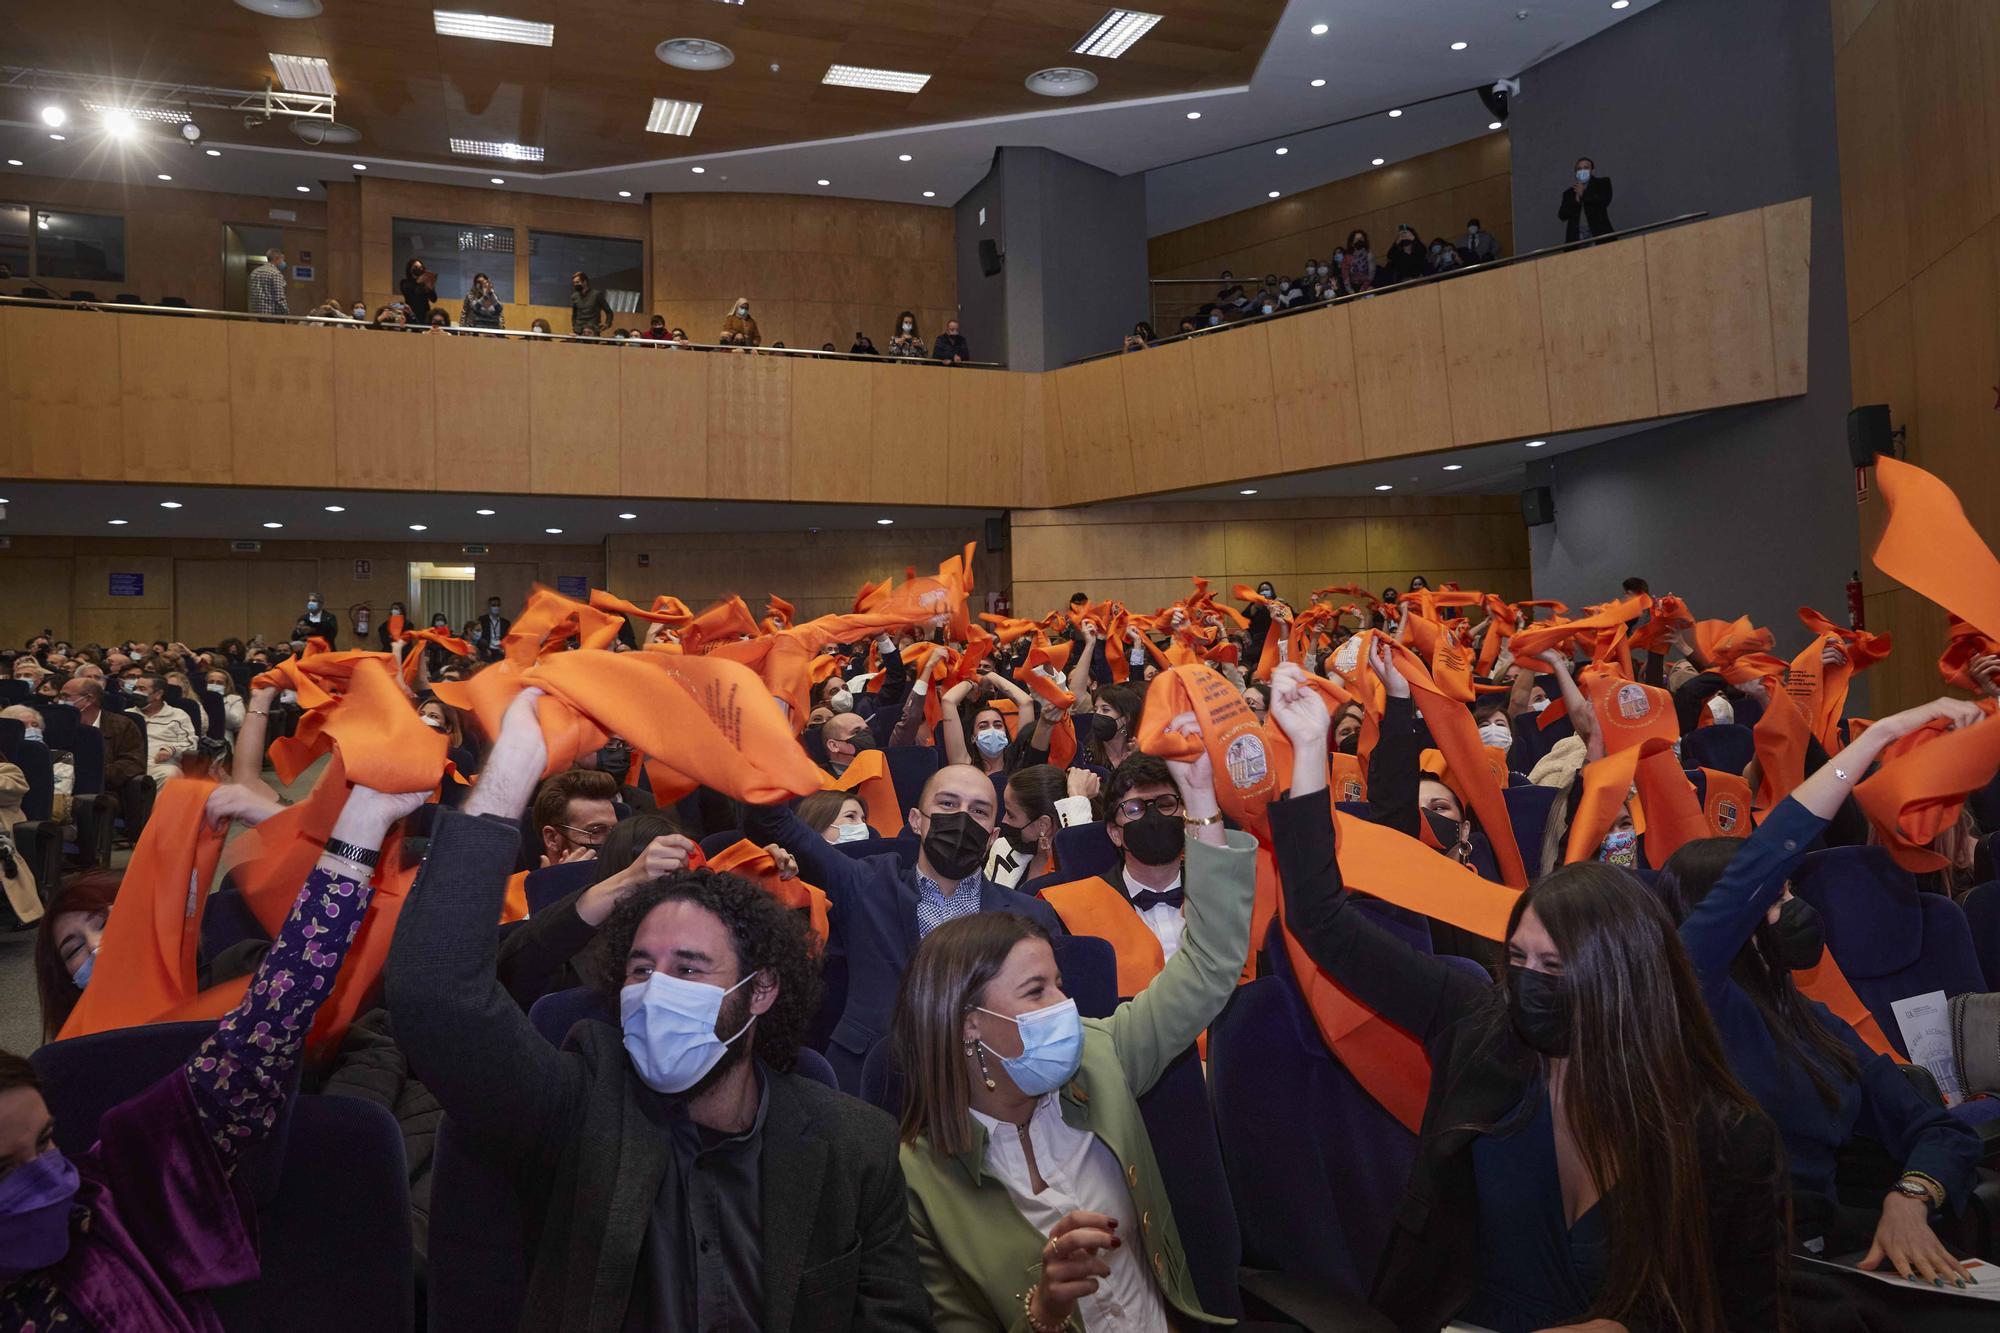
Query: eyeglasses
1135, 807
587, 837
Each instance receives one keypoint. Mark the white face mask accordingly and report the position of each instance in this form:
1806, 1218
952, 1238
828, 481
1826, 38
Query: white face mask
1539, 704
434, 723
1721, 710
31, 733
1497, 734
288, 696
217, 689
907, 326
1583, 173
852, 832
841, 701
1267, 307
743, 310
669, 1026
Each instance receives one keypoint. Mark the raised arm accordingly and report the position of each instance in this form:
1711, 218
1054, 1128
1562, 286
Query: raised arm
838, 875
1395, 772
952, 724
1079, 670
248, 768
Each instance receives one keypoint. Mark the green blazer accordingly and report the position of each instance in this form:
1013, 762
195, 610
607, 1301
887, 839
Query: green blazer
977, 1252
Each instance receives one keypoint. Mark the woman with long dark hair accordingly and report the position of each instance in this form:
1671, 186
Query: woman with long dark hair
1745, 934
1585, 1151
1002, 1072
66, 942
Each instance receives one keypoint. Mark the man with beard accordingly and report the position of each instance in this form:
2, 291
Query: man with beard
677, 1174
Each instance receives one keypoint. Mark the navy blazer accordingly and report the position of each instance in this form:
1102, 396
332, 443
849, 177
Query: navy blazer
873, 917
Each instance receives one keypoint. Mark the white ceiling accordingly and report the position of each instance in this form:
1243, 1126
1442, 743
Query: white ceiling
1376, 55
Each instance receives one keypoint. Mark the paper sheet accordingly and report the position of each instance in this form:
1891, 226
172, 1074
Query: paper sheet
1926, 1024
1986, 1289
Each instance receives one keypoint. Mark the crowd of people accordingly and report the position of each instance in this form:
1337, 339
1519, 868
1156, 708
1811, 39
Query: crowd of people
815, 890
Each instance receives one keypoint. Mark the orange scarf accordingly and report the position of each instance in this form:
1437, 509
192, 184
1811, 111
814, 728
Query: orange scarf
747, 859
867, 775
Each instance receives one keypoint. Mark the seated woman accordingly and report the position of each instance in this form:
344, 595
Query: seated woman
994, 751
1585, 1152
1023, 1146
837, 816
138, 1231
66, 943
739, 327
1036, 801
1745, 934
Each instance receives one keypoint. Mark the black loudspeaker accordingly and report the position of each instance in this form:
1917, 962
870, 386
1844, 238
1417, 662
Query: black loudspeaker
990, 258
1538, 506
1868, 434
996, 535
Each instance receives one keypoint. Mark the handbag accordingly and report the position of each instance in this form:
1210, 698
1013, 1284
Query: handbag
1975, 1041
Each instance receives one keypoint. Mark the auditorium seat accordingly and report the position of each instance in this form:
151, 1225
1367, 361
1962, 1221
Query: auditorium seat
38, 839
227, 921
1982, 918
1725, 747
215, 724
1089, 970
1182, 1129
81, 295
476, 1273
1528, 810
910, 767
1890, 940
15, 692
551, 884
1085, 849
713, 844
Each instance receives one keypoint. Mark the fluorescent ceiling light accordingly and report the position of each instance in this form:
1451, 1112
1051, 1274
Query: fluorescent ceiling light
1375, 161
360, 166
513, 152
303, 74
158, 115
624, 194
1454, 467
1319, 83
164, 176
553, 532
930, 194
170, 504
274, 525
493, 28
420, 527
884, 522
1395, 112
1274, 194
1458, 46
881, 80
1114, 34
1319, 30
1536, 444
1281, 151
1194, 115
336, 509
1492, 124
1385, 486
672, 117
213, 152
628, 516
497, 180
117, 522
1248, 490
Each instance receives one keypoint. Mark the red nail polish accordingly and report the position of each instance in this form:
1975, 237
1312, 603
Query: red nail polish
1117, 1243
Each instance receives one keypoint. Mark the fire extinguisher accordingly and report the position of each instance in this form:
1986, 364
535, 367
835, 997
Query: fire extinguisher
1856, 618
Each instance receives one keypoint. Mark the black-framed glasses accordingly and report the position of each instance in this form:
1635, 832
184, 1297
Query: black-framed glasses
587, 837
1135, 807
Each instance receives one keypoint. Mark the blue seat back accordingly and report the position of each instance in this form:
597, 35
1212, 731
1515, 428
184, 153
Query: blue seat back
216, 727
910, 767
557, 1012
1089, 968
14, 691
86, 752
1725, 747
1083, 850
714, 843
882, 1082
1528, 811
38, 767
1982, 918
228, 920
1182, 1129
478, 1265
550, 884
813, 1065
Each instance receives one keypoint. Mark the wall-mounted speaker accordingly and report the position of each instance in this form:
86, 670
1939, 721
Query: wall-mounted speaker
1538, 506
996, 534
1869, 434
990, 258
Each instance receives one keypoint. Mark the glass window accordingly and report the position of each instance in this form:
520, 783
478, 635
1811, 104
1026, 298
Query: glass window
455, 251
13, 240
614, 266
87, 246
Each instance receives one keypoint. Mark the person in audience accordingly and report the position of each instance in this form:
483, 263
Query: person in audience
1189, 324
481, 308
1479, 245
906, 343
1113, 723
1141, 337
493, 631
66, 943
837, 816
1572, 1164
574, 811
419, 289
539, 326
1585, 207
880, 909
1444, 257
329, 310
267, 286
1037, 800
739, 327
1231, 291
863, 345
589, 310
1357, 269
951, 348
1007, 1086
674, 1171
139, 1230
170, 737
388, 317
1745, 935
656, 330
319, 622
20, 901
1405, 259
124, 742
220, 683
440, 320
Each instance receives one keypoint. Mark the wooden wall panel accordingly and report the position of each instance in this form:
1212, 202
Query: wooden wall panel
1096, 438
1239, 422
484, 424
987, 428
1943, 135
282, 373
95, 614
1398, 364
1597, 329
571, 387
1885, 371
749, 428
63, 371
1955, 346
175, 380
1874, 162
1162, 409
385, 414
663, 424
1493, 355
34, 596
1708, 288
909, 453
834, 439
1788, 261
1314, 401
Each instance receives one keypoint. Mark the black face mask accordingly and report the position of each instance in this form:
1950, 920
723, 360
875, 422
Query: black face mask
1445, 829
956, 844
1801, 935
1103, 727
863, 741
1539, 1007
615, 759
1155, 839
1349, 744
1017, 837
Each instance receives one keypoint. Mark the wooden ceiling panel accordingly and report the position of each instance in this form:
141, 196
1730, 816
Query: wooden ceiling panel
585, 100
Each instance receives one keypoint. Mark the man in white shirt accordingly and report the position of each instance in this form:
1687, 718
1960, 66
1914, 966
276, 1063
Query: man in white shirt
169, 734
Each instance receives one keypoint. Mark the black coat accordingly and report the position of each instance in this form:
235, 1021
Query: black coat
1480, 1070
1594, 208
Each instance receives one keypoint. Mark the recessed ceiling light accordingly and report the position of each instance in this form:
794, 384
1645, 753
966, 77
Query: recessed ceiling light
1375, 161
359, 166
282, 9
624, 194
1492, 124
303, 189
694, 53
303, 74
492, 28
1395, 112
1248, 490
1385, 486
930, 194
882, 80
1194, 115
884, 522
1273, 195
1114, 34
1454, 467
902, 157
1319, 83
336, 509
163, 176
628, 516
484, 513
824, 181
553, 532
60, 138
1536, 444
1281, 151
1319, 30
14, 162
671, 116
274, 525
497, 180
117, 522
420, 527
513, 152
698, 170
1620, 4
170, 504
213, 152
1060, 81
1458, 46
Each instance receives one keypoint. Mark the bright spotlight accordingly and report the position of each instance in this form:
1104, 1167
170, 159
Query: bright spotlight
120, 124
55, 116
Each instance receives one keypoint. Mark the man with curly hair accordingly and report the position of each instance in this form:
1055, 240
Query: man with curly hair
677, 1175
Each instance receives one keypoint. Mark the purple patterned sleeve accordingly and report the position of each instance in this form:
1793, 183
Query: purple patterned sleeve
238, 1073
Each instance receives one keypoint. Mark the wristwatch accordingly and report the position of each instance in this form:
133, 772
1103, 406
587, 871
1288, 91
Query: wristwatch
1912, 1187
347, 851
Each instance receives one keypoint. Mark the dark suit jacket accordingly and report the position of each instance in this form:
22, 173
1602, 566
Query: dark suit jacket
873, 917
571, 1127
1480, 1071
124, 749
489, 647
326, 627
1594, 208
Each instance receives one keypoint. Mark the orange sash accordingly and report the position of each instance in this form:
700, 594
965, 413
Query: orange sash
1346, 777
1245, 778
1629, 714
1829, 985
1781, 736
868, 777
1922, 784
1094, 907
1725, 804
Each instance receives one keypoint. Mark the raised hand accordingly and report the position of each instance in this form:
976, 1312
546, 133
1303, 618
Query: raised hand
1073, 1261
1299, 710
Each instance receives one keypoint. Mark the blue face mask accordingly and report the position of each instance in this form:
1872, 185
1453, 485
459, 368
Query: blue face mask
991, 742
852, 832
31, 733
1051, 1048
82, 977
669, 1026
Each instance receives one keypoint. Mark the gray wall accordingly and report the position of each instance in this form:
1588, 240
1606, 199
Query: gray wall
1722, 105
1074, 238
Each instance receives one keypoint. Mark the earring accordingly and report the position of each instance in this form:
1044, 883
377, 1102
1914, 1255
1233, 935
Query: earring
974, 1050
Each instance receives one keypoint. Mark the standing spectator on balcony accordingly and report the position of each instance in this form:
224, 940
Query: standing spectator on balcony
1232, 291
588, 310
951, 346
482, 308
739, 327
420, 293
1444, 257
1479, 246
1586, 205
1142, 336
1405, 259
907, 343
1357, 267
267, 285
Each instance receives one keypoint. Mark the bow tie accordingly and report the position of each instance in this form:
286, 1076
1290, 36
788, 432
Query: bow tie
1146, 898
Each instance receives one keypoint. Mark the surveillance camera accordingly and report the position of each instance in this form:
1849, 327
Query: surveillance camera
1512, 87
1498, 98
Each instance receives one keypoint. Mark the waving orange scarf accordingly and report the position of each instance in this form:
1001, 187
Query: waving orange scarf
752, 862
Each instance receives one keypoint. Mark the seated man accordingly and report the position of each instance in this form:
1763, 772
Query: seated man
169, 734
881, 911
675, 1174
573, 812
124, 742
